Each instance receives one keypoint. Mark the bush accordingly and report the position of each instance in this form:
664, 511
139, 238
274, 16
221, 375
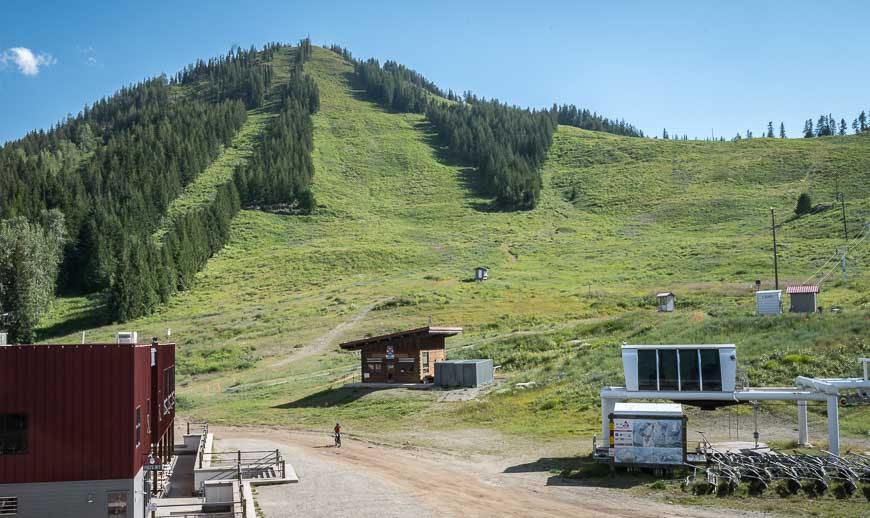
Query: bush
804, 204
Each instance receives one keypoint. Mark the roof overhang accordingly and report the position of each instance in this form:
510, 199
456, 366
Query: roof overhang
792, 290
681, 346
421, 331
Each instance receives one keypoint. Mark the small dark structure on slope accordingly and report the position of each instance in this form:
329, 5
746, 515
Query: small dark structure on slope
803, 298
403, 357
481, 273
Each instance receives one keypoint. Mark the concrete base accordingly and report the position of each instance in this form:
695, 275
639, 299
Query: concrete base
372, 385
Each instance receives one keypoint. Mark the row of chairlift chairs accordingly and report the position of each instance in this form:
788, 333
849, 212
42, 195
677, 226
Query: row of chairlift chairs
787, 474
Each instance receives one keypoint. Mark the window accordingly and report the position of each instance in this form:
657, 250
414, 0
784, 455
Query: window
668, 370
711, 374
425, 365
13, 434
689, 370
375, 366
647, 371
138, 426
169, 381
116, 501
8, 505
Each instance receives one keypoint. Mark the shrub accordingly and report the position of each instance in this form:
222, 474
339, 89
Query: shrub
804, 204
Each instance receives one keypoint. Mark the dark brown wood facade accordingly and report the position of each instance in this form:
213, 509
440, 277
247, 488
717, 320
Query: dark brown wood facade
405, 357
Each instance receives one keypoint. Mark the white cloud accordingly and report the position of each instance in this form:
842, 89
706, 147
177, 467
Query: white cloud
89, 54
28, 62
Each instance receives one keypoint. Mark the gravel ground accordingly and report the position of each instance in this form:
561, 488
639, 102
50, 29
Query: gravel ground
327, 489
365, 479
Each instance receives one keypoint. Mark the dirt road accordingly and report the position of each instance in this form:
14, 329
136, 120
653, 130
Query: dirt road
324, 341
363, 479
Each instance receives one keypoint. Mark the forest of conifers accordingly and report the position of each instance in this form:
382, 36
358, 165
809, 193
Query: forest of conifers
113, 170
85, 197
505, 143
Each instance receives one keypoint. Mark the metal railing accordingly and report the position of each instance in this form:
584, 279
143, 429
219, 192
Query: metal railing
205, 514
203, 424
250, 460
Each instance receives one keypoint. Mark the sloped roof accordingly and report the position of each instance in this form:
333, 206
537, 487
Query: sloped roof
802, 289
421, 331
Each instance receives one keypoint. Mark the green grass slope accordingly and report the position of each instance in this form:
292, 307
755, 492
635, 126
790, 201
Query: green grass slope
398, 230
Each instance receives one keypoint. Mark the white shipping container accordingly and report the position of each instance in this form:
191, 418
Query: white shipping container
768, 302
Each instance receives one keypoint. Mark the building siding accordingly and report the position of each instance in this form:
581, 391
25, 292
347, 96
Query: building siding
80, 401
407, 347
66, 499
803, 302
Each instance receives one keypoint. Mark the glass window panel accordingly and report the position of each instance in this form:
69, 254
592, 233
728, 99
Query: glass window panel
13, 433
668, 369
117, 503
689, 371
646, 369
710, 372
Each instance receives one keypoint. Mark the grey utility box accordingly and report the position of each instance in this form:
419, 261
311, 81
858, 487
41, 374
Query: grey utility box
463, 373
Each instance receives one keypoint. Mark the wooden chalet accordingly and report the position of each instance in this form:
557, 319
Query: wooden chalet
403, 357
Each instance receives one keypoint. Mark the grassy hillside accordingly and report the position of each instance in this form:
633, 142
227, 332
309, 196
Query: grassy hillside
397, 233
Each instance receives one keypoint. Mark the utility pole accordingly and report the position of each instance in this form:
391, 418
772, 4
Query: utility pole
775, 259
842, 199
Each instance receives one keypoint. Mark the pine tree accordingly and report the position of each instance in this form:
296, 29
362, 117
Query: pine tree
804, 204
808, 129
665, 134
862, 121
843, 127
770, 129
781, 130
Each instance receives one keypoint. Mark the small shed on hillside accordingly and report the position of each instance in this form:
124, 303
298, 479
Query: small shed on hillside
803, 298
463, 373
481, 273
768, 302
403, 357
666, 301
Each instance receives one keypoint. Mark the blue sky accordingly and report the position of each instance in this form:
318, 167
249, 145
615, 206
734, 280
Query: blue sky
683, 66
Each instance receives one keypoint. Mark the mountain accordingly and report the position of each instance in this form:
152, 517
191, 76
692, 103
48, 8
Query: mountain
397, 220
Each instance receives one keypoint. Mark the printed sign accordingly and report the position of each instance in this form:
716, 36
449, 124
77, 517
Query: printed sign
648, 441
391, 352
155, 467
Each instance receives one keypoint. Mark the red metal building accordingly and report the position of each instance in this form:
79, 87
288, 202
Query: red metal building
88, 413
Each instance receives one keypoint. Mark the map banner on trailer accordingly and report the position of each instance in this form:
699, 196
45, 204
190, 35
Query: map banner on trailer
648, 440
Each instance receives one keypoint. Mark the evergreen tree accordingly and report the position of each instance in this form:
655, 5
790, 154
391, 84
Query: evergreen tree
843, 127
665, 134
804, 204
808, 129
770, 129
30, 255
781, 130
